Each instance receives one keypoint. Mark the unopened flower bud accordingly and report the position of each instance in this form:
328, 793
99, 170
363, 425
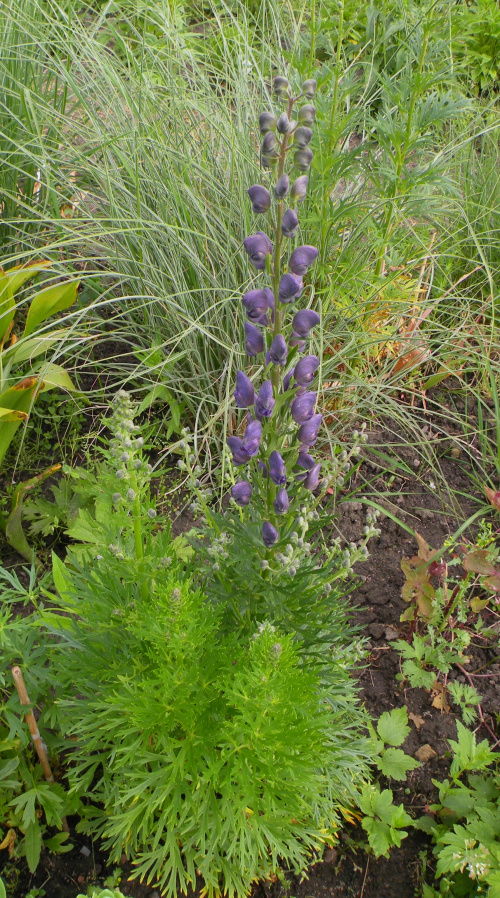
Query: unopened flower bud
267, 122
151, 513
283, 125
116, 497
303, 159
299, 188
268, 144
309, 88
282, 187
130, 495
281, 85
306, 115
302, 137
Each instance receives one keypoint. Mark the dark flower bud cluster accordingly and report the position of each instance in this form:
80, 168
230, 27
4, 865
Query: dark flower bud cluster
274, 438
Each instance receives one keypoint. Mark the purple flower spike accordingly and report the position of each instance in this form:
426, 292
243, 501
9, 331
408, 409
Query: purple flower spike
301, 259
308, 433
302, 407
240, 454
282, 187
251, 440
277, 469
287, 380
270, 535
241, 493
303, 321
254, 339
290, 288
278, 352
299, 188
306, 369
260, 198
265, 401
312, 479
244, 393
297, 341
282, 502
290, 223
307, 463
258, 247
257, 302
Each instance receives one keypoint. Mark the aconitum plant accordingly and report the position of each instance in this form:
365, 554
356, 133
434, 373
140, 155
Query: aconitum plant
277, 478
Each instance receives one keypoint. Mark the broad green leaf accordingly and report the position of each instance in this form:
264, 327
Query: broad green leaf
18, 398
392, 726
56, 843
8, 414
28, 349
48, 302
159, 393
85, 529
3, 893
55, 377
14, 532
10, 282
394, 762
33, 845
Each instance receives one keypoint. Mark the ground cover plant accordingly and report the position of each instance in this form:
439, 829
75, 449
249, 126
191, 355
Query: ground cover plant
129, 139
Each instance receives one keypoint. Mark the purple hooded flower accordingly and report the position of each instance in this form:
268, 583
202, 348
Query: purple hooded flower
258, 247
268, 145
299, 188
267, 122
306, 369
254, 339
270, 535
251, 440
241, 493
262, 468
290, 223
287, 380
308, 432
301, 259
283, 125
277, 469
260, 198
296, 340
302, 137
303, 321
281, 85
307, 463
257, 302
265, 401
303, 158
312, 479
282, 502
282, 187
302, 407
244, 393
290, 288
307, 114
309, 88
240, 454
278, 352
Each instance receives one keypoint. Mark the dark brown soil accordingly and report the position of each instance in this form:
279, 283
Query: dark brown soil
347, 871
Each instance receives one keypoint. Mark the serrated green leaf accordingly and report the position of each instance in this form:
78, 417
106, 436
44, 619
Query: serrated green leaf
392, 726
396, 764
33, 845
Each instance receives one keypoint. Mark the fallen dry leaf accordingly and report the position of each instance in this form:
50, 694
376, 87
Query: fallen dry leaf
425, 753
440, 698
417, 720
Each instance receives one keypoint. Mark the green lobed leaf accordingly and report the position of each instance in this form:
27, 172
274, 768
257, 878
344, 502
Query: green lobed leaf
33, 844
392, 726
396, 763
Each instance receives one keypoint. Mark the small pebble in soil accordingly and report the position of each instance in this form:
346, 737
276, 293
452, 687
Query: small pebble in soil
85, 851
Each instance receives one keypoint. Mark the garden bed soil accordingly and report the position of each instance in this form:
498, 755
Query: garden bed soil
346, 871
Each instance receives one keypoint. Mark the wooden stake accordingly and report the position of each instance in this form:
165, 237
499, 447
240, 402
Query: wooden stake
35, 733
